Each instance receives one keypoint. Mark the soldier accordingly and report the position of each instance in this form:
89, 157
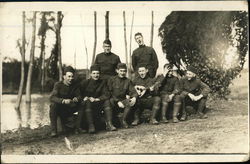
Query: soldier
107, 61
146, 55
123, 94
95, 96
145, 87
65, 100
194, 92
169, 92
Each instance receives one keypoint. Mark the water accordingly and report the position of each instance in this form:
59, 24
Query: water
39, 112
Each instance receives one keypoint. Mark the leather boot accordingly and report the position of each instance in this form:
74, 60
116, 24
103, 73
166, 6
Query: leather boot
124, 117
176, 109
184, 113
201, 107
153, 116
90, 121
136, 117
53, 120
108, 115
163, 112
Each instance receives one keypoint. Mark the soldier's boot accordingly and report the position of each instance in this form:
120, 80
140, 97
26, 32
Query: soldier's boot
124, 117
163, 112
89, 118
78, 129
184, 113
176, 110
53, 121
201, 107
108, 115
155, 110
136, 118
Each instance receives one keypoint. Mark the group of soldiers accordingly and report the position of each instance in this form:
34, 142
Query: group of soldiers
109, 91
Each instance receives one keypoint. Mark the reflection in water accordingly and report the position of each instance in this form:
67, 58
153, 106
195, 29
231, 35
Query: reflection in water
38, 116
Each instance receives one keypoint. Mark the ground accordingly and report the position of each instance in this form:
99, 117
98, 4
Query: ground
225, 131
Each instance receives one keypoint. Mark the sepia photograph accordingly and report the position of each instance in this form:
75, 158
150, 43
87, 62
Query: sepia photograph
132, 81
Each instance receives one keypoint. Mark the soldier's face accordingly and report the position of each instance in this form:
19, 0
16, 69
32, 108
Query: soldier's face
95, 75
190, 75
106, 48
68, 78
121, 72
142, 72
139, 39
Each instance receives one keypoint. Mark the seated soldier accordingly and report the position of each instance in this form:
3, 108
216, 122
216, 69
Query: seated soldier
169, 92
95, 97
123, 94
194, 92
147, 99
65, 100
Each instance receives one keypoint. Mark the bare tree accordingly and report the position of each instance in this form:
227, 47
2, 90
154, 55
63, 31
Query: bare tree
58, 36
130, 52
21, 86
29, 76
95, 38
107, 25
125, 37
152, 30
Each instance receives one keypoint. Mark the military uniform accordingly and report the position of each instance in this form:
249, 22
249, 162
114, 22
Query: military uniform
107, 63
170, 85
149, 100
119, 89
145, 55
57, 108
196, 87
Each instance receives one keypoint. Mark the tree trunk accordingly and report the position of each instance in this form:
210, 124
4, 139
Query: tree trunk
95, 38
21, 86
58, 37
130, 53
42, 63
125, 37
29, 77
107, 25
152, 30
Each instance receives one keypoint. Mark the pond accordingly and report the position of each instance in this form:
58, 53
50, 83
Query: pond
39, 115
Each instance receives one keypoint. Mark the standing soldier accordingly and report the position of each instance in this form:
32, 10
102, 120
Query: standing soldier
107, 61
146, 55
145, 87
123, 94
65, 100
95, 96
194, 92
169, 91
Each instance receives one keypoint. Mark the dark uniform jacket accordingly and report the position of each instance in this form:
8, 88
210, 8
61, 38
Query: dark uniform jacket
62, 91
147, 82
107, 63
95, 89
169, 85
120, 87
146, 55
194, 86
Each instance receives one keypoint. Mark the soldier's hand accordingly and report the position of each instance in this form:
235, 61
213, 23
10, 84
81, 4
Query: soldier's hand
120, 104
127, 97
171, 97
132, 101
92, 99
66, 101
97, 99
192, 97
196, 98
85, 98
75, 100
152, 88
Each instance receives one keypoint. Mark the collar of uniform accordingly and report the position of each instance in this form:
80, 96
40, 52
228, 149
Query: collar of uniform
107, 54
141, 46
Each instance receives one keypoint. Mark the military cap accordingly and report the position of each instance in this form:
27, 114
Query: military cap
192, 69
68, 69
121, 66
94, 68
107, 41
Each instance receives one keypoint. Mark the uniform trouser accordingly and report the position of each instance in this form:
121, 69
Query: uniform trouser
63, 112
166, 101
199, 105
91, 110
147, 103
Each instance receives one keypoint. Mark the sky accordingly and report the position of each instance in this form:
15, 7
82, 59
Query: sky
78, 26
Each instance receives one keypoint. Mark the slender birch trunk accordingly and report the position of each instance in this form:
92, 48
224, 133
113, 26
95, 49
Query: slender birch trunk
125, 37
152, 30
95, 38
130, 52
107, 25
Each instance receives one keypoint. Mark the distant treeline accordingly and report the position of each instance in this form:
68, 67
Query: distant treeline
11, 75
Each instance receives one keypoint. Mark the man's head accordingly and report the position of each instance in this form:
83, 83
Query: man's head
95, 72
191, 72
139, 38
168, 70
121, 70
142, 70
107, 46
68, 75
